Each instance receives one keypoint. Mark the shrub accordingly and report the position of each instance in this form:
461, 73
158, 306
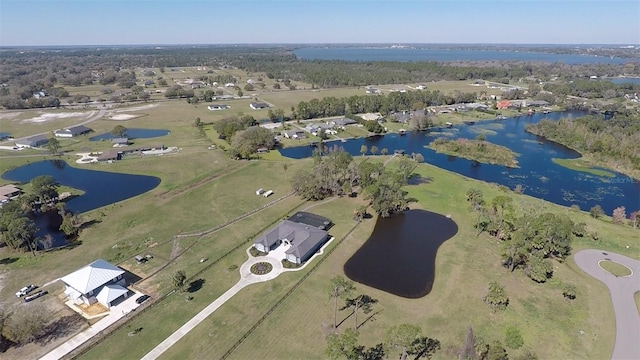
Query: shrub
569, 291
596, 212
496, 296
513, 338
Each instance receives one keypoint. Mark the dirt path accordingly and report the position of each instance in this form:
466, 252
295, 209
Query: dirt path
622, 290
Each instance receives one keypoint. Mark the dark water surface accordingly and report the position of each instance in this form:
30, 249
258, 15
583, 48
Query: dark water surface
399, 257
133, 134
405, 55
100, 187
539, 176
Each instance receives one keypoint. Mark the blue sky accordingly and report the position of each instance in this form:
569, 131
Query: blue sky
109, 22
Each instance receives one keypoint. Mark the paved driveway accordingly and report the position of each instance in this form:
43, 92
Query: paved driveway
627, 344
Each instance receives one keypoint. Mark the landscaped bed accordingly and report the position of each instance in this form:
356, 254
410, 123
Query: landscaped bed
261, 268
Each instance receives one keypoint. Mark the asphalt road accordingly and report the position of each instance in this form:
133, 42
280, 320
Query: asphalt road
627, 344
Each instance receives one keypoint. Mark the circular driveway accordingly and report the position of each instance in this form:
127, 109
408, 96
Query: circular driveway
622, 289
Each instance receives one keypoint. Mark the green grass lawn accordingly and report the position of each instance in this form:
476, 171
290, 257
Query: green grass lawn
615, 268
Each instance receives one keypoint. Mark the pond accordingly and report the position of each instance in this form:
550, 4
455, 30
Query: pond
100, 188
399, 256
133, 133
538, 174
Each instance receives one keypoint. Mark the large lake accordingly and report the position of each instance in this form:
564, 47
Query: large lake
539, 176
442, 55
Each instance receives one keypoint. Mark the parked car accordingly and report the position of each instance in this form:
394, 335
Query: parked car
35, 296
142, 299
25, 290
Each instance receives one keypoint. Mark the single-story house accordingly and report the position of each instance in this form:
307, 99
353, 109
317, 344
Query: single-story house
259, 105
294, 134
99, 281
476, 106
342, 122
109, 155
72, 131
405, 116
120, 141
371, 116
8, 192
213, 107
314, 129
302, 240
33, 141
222, 97
503, 104
229, 85
535, 103
421, 87
372, 91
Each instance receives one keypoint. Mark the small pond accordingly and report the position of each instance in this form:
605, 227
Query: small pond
100, 188
399, 256
133, 133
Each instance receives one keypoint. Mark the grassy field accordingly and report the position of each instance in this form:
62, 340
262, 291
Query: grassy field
202, 188
615, 268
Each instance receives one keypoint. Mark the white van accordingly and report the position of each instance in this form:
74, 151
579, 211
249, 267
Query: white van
259, 191
268, 193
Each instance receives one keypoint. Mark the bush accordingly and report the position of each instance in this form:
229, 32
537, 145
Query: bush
596, 212
513, 338
496, 296
289, 265
255, 252
569, 291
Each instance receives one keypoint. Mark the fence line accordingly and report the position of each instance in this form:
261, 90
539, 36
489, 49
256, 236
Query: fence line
286, 295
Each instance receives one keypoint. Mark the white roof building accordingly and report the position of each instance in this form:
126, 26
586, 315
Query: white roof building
99, 281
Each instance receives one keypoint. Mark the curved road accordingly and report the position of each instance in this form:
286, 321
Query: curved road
622, 289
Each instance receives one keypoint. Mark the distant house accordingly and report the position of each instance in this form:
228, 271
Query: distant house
229, 85
503, 104
535, 103
372, 91
8, 192
300, 240
476, 106
120, 141
314, 129
39, 94
109, 155
294, 134
259, 105
72, 131
32, 142
342, 122
213, 107
99, 281
405, 116
371, 116
421, 87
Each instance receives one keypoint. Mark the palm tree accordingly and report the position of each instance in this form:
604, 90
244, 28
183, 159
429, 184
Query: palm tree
339, 287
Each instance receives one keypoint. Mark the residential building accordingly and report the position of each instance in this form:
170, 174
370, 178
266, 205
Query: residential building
72, 131
120, 141
301, 240
99, 281
341, 123
213, 107
259, 105
8, 192
32, 142
294, 134
371, 116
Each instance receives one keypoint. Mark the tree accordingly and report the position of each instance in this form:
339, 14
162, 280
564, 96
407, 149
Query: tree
374, 150
240, 93
402, 337
53, 145
119, 131
363, 149
360, 212
20, 232
596, 211
339, 287
634, 217
45, 188
26, 323
497, 352
496, 296
386, 195
248, 141
69, 224
513, 338
405, 168
343, 346
569, 291
179, 280
468, 352
619, 215
538, 269
361, 302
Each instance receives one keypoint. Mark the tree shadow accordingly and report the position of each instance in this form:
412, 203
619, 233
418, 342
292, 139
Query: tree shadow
8, 260
345, 319
370, 317
195, 285
416, 179
61, 328
89, 223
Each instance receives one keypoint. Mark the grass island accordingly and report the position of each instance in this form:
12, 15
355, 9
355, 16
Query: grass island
476, 150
